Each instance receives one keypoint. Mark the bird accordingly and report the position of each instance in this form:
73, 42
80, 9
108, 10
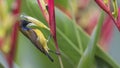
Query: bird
35, 36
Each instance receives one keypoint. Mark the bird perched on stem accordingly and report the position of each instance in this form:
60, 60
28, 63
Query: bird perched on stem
28, 28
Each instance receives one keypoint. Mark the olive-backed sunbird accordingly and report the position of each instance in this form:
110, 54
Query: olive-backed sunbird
35, 36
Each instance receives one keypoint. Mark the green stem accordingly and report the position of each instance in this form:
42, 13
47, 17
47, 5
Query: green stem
60, 61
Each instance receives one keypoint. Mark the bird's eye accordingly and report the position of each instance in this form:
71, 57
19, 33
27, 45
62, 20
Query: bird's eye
24, 24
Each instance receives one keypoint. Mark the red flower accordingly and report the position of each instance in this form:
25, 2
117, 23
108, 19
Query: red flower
114, 15
49, 14
14, 35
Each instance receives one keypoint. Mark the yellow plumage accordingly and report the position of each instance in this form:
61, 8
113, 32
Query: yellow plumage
42, 39
28, 27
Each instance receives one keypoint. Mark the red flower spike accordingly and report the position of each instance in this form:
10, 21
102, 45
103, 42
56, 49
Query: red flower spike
52, 22
50, 17
106, 34
118, 19
11, 55
103, 6
43, 9
16, 7
106, 8
14, 35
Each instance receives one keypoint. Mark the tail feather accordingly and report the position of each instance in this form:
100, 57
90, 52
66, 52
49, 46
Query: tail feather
49, 57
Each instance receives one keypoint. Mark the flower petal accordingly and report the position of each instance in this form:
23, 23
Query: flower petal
52, 22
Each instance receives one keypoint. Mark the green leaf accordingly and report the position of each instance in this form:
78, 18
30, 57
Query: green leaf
101, 63
63, 3
1, 66
99, 52
87, 58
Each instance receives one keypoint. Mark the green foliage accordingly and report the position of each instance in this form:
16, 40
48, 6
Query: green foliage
62, 3
88, 56
1, 66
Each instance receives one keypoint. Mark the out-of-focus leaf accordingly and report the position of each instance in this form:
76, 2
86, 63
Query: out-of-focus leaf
1, 66
101, 63
99, 52
63, 3
89, 53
